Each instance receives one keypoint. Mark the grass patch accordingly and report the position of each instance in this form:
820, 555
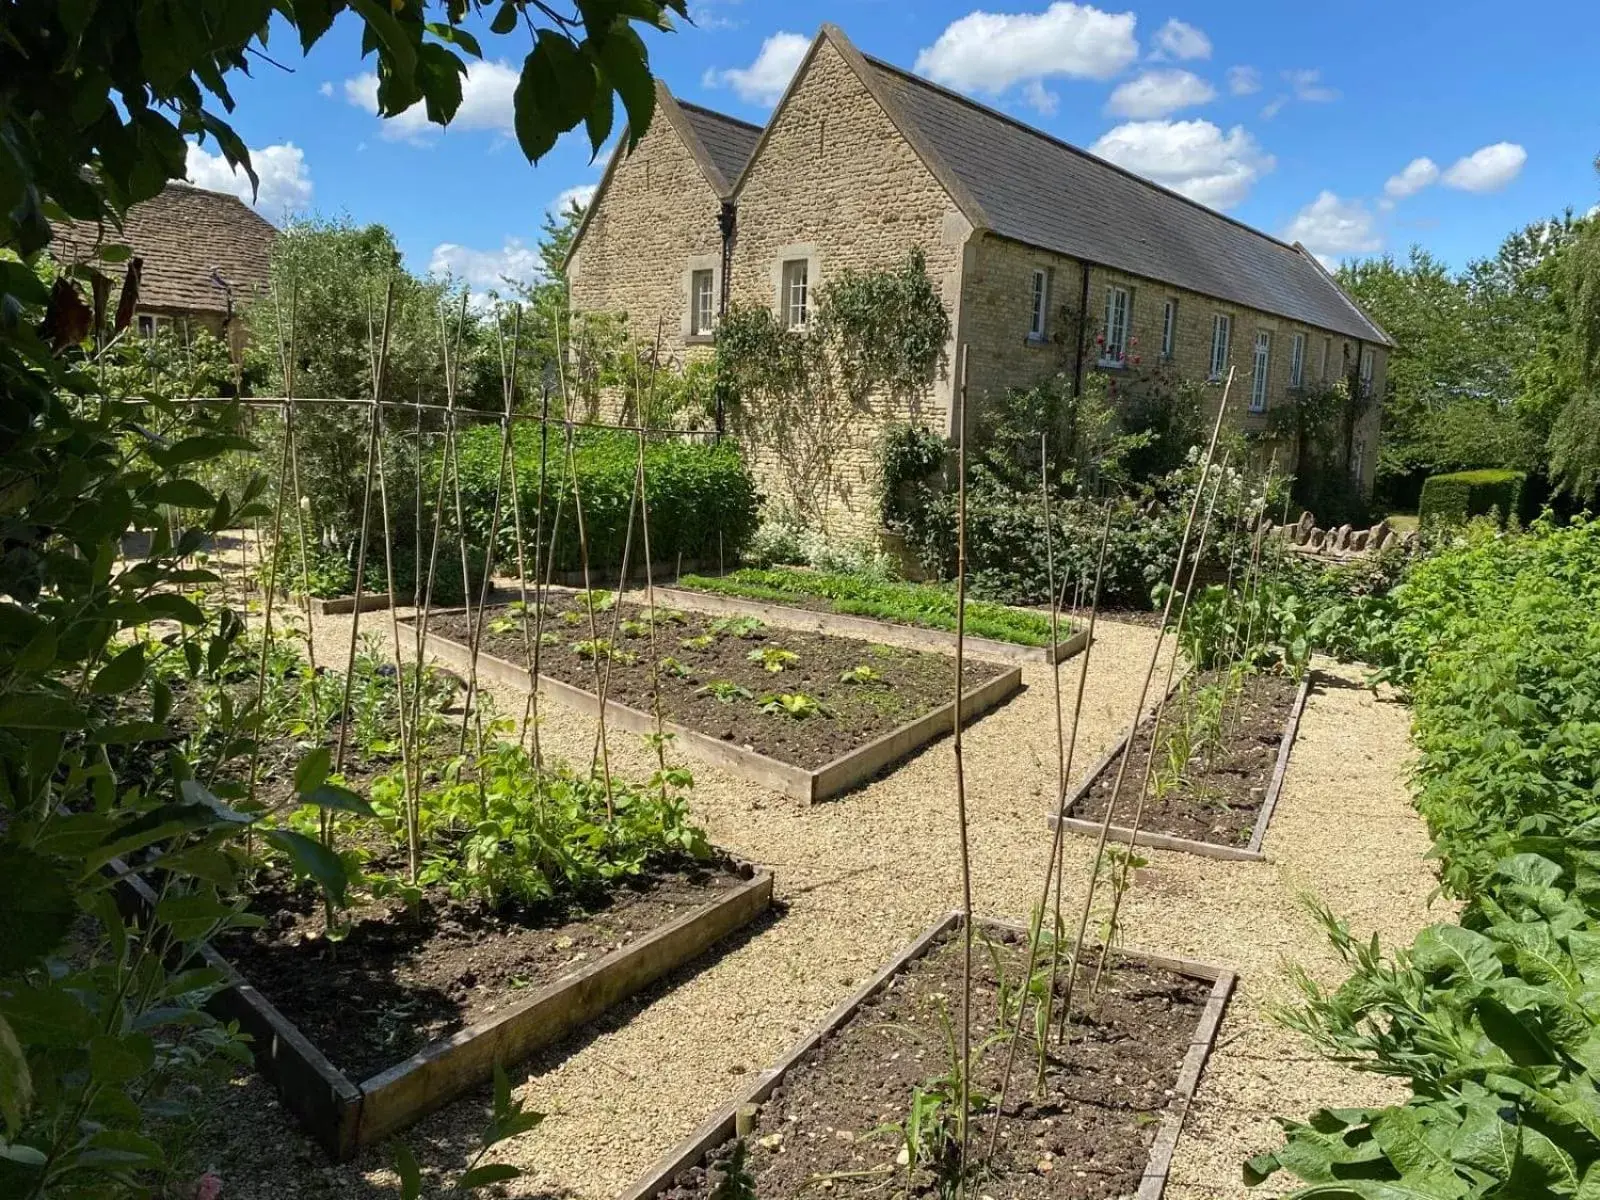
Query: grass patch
924, 605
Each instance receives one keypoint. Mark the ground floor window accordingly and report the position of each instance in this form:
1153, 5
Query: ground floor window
1263, 366
796, 287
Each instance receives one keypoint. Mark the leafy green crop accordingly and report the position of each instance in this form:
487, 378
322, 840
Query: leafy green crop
924, 605
1495, 1022
773, 659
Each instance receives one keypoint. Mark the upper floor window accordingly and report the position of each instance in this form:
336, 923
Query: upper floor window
1039, 301
702, 303
1221, 330
1322, 367
1366, 370
1117, 308
1169, 329
1297, 360
1263, 364
795, 299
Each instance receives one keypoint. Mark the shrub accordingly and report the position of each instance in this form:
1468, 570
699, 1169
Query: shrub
702, 500
1491, 1021
1455, 499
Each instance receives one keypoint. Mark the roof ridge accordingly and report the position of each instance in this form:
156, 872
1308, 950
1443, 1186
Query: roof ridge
1061, 143
719, 114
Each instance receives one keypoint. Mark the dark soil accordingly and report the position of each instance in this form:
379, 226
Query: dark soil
1089, 1136
910, 683
396, 983
1220, 795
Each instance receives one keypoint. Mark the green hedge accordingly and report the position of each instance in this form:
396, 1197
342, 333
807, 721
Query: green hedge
702, 500
1457, 498
928, 606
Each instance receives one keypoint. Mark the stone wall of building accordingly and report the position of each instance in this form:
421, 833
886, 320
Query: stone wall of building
838, 186
658, 215
997, 310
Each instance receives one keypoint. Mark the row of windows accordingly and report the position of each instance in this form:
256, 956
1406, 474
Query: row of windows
794, 297
1119, 323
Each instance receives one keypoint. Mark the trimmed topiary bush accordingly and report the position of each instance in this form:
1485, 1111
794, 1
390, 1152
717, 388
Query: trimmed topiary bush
1457, 498
702, 499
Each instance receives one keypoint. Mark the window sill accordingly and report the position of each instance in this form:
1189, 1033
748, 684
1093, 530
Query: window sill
1036, 339
1112, 364
700, 339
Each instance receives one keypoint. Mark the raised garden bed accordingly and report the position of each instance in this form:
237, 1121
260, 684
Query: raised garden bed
918, 615
362, 1038
1223, 803
1115, 1102
712, 697
344, 605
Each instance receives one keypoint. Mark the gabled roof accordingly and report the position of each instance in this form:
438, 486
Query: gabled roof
184, 235
1036, 189
1019, 183
719, 144
727, 140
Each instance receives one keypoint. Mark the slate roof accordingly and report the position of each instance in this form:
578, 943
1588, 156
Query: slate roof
183, 235
1038, 190
728, 140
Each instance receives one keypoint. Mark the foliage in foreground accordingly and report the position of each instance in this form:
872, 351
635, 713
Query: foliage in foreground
1493, 1022
928, 606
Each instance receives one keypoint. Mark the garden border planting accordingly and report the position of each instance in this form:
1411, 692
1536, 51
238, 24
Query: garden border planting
829, 780
911, 637
344, 1115
723, 1124
1251, 852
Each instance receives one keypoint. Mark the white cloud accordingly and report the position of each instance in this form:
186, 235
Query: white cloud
1176, 39
1157, 93
482, 270
1307, 85
1192, 157
1330, 227
1243, 81
989, 52
764, 81
325, 89
486, 103
1488, 169
580, 195
1416, 175
1040, 97
285, 181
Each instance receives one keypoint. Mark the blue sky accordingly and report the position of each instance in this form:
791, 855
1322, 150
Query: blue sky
1354, 127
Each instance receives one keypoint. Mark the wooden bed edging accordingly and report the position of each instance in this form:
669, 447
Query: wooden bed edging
345, 605
721, 1125
801, 783
1251, 852
912, 637
343, 1116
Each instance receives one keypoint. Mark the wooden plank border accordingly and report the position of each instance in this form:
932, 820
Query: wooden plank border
721, 1125
339, 606
1251, 852
913, 637
343, 1116
801, 783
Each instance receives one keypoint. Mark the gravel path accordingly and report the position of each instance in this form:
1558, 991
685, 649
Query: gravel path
859, 876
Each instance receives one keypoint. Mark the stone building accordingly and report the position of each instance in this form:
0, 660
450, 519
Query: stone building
205, 255
1047, 258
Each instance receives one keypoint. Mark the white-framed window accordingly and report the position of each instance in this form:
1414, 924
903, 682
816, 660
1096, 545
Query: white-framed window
795, 298
1169, 328
1039, 305
702, 303
1221, 331
1366, 371
1115, 351
1327, 353
1263, 366
1358, 458
1297, 360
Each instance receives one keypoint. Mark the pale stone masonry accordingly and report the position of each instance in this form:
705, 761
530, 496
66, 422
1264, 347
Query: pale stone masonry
1046, 258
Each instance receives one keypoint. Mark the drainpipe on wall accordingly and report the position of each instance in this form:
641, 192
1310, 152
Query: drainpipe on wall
728, 224
1083, 328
